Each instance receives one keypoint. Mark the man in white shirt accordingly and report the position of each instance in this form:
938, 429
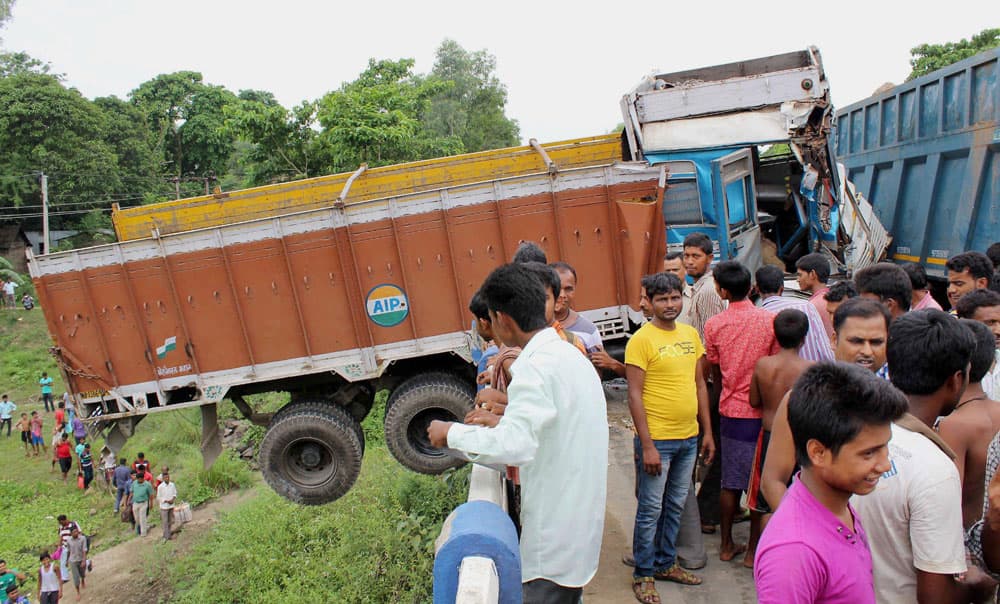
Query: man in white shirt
914, 515
555, 430
166, 493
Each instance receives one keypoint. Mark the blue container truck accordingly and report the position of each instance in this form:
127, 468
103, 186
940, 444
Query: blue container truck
925, 154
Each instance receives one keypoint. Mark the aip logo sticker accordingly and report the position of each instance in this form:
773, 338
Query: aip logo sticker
387, 305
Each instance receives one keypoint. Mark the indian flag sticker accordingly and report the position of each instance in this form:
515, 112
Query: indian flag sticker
168, 345
387, 305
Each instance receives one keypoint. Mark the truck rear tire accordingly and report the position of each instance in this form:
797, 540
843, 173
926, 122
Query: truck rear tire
310, 456
317, 406
411, 408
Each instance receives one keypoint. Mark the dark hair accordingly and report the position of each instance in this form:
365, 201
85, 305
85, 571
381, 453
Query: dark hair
815, 262
887, 281
547, 275
674, 256
60, 518
43, 556
978, 264
984, 352
831, 403
517, 290
993, 253
734, 278
529, 251
968, 304
916, 273
699, 240
861, 308
12, 588
661, 283
770, 279
141, 455
478, 308
840, 291
123, 461
925, 348
791, 327
62, 405
563, 267
995, 282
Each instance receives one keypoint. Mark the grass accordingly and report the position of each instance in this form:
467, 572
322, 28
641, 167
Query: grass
375, 544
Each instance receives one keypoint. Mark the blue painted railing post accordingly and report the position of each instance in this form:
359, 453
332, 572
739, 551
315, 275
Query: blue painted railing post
478, 529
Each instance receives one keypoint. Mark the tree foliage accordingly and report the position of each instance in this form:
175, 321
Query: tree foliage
929, 57
471, 104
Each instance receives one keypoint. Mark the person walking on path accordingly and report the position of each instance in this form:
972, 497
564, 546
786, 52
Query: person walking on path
76, 550
79, 430
49, 581
7, 409
142, 492
66, 527
166, 493
120, 480
60, 416
86, 465
64, 454
46, 384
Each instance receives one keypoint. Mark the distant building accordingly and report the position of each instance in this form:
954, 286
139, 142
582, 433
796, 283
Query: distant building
13, 244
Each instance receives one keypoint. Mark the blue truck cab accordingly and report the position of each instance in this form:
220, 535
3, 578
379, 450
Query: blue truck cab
748, 155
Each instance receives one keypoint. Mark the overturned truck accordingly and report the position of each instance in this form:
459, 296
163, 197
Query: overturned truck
336, 288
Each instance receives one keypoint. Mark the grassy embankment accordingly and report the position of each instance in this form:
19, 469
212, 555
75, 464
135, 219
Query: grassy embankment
373, 545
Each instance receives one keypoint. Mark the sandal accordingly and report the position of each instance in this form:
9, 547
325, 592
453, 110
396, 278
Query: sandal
644, 589
678, 575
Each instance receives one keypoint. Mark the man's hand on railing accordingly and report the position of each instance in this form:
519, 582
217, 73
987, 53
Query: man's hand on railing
437, 432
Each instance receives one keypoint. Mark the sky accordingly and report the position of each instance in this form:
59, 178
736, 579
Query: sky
566, 65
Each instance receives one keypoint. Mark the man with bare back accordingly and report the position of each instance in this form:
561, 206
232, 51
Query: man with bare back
970, 428
773, 377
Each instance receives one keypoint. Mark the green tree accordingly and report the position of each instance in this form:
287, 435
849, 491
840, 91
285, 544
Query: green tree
471, 106
376, 119
187, 119
49, 128
19, 63
281, 144
929, 57
129, 136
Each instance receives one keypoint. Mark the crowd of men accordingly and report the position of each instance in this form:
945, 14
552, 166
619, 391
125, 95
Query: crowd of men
861, 424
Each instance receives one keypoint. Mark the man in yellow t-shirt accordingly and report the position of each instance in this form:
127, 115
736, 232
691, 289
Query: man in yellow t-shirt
668, 400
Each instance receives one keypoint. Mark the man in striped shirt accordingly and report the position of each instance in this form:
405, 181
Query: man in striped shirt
770, 285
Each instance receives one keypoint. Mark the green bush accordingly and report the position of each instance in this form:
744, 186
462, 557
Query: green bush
375, 544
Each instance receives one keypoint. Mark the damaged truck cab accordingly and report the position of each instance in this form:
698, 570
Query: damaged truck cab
749, 155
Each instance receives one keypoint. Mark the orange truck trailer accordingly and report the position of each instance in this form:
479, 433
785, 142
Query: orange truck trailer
333, 305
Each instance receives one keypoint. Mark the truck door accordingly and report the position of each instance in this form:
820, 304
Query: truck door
736, 208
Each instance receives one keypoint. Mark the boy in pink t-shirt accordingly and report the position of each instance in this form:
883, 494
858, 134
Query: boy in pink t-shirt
814, 549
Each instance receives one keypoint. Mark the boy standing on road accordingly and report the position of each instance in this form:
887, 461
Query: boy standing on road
166, 493
142, 492
668, 400
735, 340
815, 548
76, 555
554, 430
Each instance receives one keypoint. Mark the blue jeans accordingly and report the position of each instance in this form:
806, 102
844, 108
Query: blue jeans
120, 493
661, 500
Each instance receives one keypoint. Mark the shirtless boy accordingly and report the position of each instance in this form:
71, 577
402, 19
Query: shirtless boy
773, 378
970, 428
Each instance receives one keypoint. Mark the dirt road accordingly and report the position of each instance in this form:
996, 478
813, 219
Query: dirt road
723, 581
129, 573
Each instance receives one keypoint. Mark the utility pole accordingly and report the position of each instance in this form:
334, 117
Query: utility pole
45, 212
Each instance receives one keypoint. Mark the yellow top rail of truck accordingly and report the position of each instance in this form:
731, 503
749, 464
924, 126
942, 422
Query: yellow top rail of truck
363, 185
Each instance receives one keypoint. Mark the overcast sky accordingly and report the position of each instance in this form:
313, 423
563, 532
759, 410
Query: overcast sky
565, 64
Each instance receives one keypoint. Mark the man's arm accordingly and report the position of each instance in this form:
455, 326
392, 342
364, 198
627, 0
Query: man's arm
514, 440
636, 378
780, 462
603, 360
704, 415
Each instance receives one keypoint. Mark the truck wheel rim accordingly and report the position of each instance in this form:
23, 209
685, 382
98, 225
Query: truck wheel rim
309, 462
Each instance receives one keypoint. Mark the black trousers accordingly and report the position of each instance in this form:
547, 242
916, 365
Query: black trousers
543, 591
